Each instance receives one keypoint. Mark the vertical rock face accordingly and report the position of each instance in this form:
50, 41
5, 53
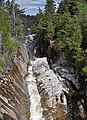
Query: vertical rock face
14, 101
76, 97
51, 89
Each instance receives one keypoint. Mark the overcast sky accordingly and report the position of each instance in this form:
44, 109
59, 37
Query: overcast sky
31, 6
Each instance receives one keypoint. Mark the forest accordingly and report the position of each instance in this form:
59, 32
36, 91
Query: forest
65, 27
50, 82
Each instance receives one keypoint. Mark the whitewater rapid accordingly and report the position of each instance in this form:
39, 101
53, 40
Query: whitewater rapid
35, 104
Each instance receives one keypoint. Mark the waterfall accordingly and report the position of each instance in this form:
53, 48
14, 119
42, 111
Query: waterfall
35, 104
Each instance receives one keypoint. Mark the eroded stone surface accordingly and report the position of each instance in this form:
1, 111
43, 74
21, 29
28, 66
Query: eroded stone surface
51, 89
14, 101
76, 97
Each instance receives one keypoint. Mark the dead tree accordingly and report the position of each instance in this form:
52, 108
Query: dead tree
0, 43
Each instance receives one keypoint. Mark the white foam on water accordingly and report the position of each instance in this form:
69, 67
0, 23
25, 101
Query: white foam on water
35, 104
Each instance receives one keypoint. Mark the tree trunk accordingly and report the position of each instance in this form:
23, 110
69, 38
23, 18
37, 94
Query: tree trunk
0, 43
13, 15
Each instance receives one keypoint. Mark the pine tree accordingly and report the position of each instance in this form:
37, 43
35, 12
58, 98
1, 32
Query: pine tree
40, 11
68, 6
82, 14
49, 29
49, 7
70, 38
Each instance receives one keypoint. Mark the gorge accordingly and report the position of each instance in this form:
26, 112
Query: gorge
43, 62
33, 90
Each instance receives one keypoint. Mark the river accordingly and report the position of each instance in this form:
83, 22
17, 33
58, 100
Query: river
35, 104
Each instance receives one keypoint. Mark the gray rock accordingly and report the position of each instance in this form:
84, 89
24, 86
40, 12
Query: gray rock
50, 87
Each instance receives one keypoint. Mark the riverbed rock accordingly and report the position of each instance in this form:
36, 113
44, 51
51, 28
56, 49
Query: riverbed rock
51, 89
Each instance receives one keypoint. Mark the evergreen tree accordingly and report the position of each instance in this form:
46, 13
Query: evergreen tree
82, 14
40, 11
71, 29
49, 29
70, 6
70, 38
9, 45
62, 7
49, 7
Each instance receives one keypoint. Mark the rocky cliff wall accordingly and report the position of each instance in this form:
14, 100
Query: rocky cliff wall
14, 99
76, 97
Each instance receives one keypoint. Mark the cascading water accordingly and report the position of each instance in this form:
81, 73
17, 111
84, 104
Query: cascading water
35, 104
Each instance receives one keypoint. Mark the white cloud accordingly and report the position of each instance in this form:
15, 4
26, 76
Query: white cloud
31, 6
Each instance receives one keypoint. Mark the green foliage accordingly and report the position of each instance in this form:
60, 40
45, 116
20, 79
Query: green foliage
82, 13
46, 23
71, 29
2, 65
84, 70
8, 45
49, 29
70, 37
69, 24
49, 7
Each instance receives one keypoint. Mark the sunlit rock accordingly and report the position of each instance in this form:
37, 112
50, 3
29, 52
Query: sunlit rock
51, 89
